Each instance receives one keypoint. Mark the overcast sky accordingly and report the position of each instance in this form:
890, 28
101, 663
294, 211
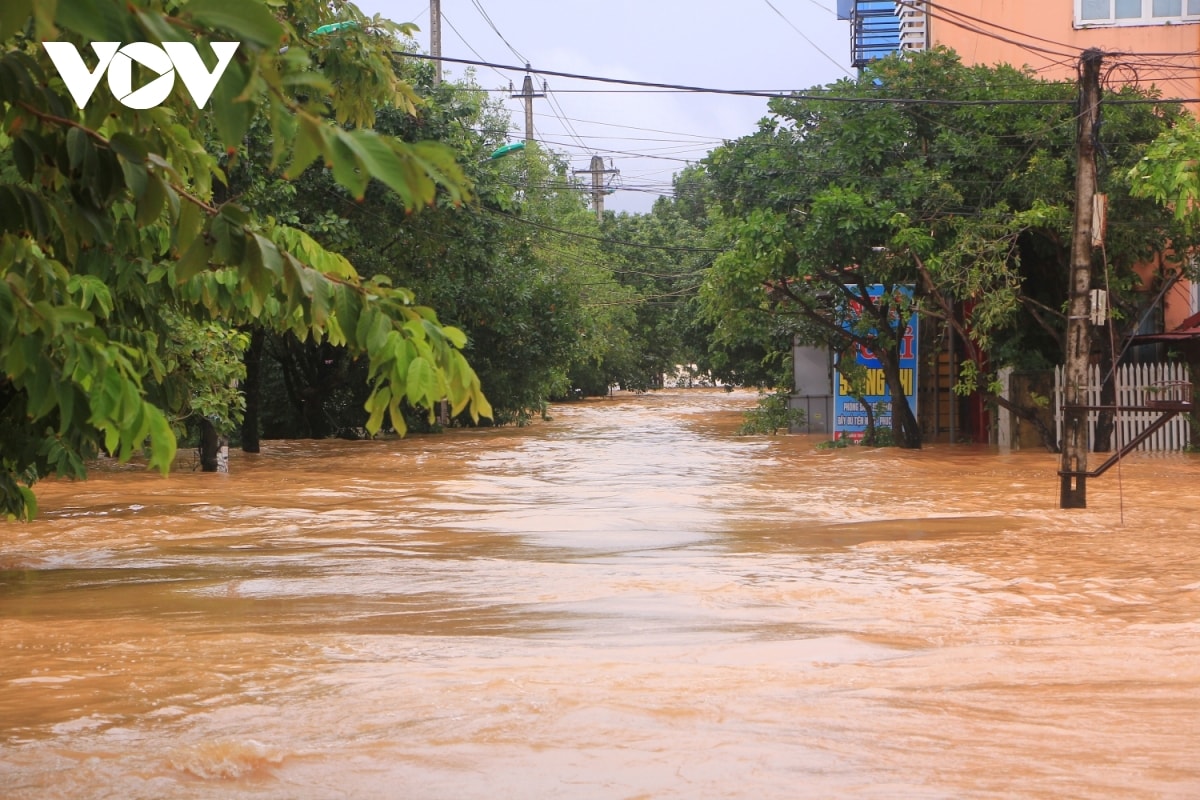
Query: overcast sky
648, 135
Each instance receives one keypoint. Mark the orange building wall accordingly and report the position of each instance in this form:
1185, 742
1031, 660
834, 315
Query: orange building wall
1053, 20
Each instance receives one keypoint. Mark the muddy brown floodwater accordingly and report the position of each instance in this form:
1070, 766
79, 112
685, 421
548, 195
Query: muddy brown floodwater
628, 601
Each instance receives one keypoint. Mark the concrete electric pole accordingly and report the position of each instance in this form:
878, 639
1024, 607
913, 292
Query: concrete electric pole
435, 39
1073, 471
527, 94
597, 171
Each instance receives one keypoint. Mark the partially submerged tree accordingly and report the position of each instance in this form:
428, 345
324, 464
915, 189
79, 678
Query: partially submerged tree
108, 220
955, 181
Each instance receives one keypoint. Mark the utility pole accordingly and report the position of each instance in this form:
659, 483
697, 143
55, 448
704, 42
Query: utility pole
528, 96
435, 39
1073, 471
597, 171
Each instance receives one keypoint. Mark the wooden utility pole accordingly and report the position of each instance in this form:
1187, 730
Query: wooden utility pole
1073, 471
597, 171
527, 94
435, 39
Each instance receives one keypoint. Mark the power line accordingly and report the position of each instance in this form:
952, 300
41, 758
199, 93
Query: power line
483, 12
556, 107
815, 46
646, 130
629, 153
826, 9
918, 5
826, 97
462, 39
970, 23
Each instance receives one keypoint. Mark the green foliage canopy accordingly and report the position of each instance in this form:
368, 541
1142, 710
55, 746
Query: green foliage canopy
108, 221
958, 181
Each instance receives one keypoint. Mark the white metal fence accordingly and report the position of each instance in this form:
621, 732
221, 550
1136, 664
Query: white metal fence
1137, 385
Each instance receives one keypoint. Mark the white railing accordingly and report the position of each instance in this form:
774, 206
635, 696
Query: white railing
1137, 385
913, 27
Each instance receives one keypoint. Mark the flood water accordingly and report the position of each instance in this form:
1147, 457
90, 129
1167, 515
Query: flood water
628, 601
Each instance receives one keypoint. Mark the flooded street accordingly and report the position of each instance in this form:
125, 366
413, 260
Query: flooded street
628, 601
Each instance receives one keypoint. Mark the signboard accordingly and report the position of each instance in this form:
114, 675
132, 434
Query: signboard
849, 416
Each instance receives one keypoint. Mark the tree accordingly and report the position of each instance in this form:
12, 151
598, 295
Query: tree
1169, 175
108, 222
955, 181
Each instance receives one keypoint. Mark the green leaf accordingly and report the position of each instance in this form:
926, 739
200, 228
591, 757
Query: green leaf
13, 16
97, 20
421, 385
377, 404
162, 439
77, 147
129, 147
310, 143
40, 396
268, 255
191, 222
381, 162
25, 155
320, 303
136, 176
231, 113
348, 169
195, 260
456, 336
66, 408
346, 308
373, 329
249, 21
480, 407
283, 132
396, 415
150, 203
31, 507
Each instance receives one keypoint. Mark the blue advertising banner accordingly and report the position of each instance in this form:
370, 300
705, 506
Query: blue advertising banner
849, 416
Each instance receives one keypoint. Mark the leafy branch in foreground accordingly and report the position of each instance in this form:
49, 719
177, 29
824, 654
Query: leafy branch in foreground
109, 229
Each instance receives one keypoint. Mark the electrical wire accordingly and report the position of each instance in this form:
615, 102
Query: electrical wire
483, 13
922, 5
562, 117
826, 9
824, 97
462, 39
644, 130
815, 46
973, 24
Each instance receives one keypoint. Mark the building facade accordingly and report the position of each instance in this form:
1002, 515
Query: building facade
1151, 43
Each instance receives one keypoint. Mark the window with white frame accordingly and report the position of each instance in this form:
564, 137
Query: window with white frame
1135, 12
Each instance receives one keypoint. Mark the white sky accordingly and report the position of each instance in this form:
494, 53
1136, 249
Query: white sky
648, 135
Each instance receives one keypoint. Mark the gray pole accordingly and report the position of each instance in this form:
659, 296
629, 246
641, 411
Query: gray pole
597, 171
435, 39
598, 186
1075, 375
527, 94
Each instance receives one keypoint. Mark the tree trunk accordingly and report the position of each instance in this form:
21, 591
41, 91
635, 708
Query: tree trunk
869, 436
906, 429
252, 389
214, 448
